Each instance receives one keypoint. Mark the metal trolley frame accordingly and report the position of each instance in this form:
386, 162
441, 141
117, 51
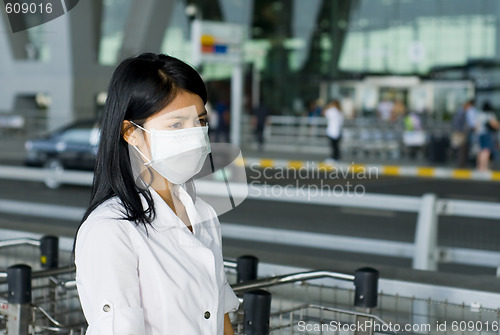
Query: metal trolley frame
45, 301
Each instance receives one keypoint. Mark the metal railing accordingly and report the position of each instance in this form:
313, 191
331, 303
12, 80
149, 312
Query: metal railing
424, 251
361, 137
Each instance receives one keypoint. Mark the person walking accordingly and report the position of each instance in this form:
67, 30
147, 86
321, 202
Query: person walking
463, 124
223, 121
486, 126
259, 121
335, 121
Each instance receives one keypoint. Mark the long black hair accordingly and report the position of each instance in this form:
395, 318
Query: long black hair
140, 87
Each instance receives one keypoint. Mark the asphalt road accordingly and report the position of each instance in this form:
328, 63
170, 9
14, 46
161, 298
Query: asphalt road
389, 225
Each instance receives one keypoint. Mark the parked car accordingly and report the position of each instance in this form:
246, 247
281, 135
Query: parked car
71, 147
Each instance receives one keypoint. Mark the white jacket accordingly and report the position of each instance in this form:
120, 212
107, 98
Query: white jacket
335, 121
163, 281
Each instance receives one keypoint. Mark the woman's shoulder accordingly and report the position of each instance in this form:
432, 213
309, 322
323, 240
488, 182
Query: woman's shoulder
111, 208
107, 218
104, 233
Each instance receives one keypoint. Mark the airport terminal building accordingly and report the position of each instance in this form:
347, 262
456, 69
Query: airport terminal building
293, 52
393, 237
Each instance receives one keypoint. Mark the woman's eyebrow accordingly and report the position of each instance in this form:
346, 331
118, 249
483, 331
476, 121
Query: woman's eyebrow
169, 116
182, 117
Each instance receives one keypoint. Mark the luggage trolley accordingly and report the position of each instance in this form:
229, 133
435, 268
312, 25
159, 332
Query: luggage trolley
394, 315
37, 296
302, 305
297, 307
45, 301
42, 302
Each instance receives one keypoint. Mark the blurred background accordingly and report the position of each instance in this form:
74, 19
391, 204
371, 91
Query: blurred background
384, 60
417, 83
368, 130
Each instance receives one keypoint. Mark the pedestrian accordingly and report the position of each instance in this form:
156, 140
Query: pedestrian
413, 136
313, 116
148, 252
385, 108
486, 127
334, 123
223, 119
398, 110
463, 124
259, 122
315, 108
348, 109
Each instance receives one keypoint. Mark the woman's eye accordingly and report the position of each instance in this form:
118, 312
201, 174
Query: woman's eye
176, 125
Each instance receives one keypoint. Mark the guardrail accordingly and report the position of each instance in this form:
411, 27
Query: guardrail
381, 170
424, 251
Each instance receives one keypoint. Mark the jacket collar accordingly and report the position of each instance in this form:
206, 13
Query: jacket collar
166, 219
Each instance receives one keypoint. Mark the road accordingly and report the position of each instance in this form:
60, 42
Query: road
388, 225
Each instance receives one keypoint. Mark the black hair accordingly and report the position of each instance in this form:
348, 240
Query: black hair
140, 87
487, 107
336, 103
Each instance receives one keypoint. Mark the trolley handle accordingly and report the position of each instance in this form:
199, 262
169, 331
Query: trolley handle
43, 273
289, 278
19, 241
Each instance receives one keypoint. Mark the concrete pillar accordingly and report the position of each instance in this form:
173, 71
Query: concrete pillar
88, 76
145, 26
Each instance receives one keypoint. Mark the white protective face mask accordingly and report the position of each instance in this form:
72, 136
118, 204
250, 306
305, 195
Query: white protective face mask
177, 155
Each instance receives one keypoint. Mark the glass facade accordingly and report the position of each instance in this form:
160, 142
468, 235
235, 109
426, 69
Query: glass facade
114, 16
389, 36
298, 48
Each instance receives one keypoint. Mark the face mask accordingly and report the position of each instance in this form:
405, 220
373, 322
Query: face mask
177, 155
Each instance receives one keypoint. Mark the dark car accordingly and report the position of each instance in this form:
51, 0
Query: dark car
71, 147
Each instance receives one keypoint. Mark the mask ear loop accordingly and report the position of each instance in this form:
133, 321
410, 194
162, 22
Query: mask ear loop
143, 155
135, 124
149, 161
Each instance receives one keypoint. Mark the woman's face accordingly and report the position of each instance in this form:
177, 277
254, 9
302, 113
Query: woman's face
185, 111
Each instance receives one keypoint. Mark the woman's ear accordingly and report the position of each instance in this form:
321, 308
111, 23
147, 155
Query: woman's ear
129, 133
